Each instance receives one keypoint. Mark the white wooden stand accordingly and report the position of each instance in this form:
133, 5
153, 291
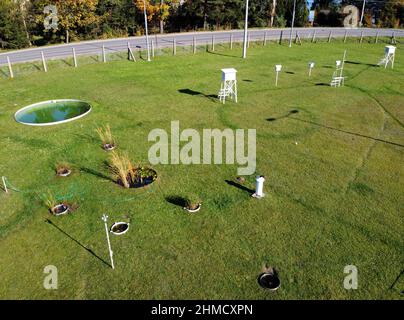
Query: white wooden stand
228, 87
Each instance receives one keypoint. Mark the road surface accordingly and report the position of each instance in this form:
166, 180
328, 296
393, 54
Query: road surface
185, 39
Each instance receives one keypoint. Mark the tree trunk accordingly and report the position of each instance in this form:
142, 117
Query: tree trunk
205, 15
24, 22
273, 13
161, 21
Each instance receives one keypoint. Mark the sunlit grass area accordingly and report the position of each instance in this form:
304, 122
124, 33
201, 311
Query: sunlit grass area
334, 179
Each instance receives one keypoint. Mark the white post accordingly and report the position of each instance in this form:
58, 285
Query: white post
314, 36
4, 183
130, 53
174, 47
278, 69
361, 40
377, 37
105, 219
104, 57
10, 68
265, 38
45, 68
293, 22
259, 188
346, 34
147, 31
152, 48
248, 40
329, 37
363, 11
245, 30
194, 45
74, 58
311, 66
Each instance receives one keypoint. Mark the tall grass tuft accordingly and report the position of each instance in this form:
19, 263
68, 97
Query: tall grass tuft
106, 135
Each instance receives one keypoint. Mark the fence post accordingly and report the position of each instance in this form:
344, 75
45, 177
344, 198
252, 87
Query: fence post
194, 45
345, 36
393, 38
74, 58
280, 37
377, 37
231, 41
174, 47
213, 43
10, 69
248, 40
104, 57
314, 36
265, 38
329, 37
360, 41
152, 48
45, 68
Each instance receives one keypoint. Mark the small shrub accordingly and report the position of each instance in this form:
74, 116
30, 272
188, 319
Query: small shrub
192, 202
106, 135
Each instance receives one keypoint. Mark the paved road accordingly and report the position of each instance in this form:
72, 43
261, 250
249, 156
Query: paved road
184, 39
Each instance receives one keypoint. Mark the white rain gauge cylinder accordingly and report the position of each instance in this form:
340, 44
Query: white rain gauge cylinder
390, 54
311, 66
259, 188
278, 68
228, 87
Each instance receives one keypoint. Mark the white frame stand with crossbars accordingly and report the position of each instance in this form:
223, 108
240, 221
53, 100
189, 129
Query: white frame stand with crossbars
389, 57
338, 79
228, 87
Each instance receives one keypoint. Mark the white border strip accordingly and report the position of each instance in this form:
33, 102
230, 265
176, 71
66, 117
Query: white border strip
51, 123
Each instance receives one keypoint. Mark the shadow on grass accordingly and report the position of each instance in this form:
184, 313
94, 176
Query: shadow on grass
284, 116
239, 186
191, 92
177, 201
77, 242
247, 80
361, 63
223, 54
395, 281
96, 174
348, 132
323, 84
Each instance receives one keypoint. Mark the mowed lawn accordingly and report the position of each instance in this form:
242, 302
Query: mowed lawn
334, 170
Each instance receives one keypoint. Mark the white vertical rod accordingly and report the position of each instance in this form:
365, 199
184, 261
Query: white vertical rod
231, 41
245, 30
74, 57
194, 45
4, 183
104, 57
45, 68
105, 219
10, 68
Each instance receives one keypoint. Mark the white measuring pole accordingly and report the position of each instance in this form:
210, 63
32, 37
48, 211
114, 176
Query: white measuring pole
104, 58
45, 68
74, 58
10, 68
105, 219
4, 183
245, 30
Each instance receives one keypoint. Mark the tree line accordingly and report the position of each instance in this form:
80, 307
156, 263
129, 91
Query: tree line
22, 21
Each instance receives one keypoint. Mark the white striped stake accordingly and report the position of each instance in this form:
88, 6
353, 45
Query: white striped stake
278, 68
4, 184
174, 47
194, 45
45, 68
74, 58
10, 68
105, 219
104, 57
259, 188
311, 66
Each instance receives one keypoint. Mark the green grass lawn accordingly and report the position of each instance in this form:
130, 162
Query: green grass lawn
335, 180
